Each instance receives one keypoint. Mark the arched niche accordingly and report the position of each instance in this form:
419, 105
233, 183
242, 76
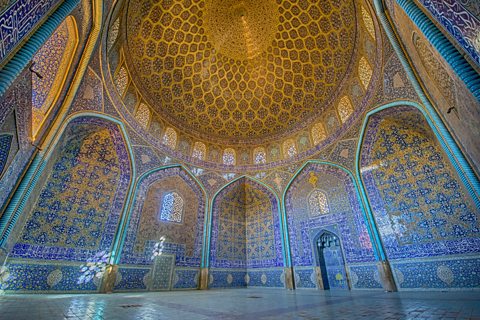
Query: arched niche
51, 65
246, 242
75, 210
161, 252
340, 212
420, 206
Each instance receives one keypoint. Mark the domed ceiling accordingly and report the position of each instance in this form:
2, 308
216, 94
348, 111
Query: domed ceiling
235, 71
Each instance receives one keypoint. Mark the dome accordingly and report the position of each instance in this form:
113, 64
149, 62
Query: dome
241, 74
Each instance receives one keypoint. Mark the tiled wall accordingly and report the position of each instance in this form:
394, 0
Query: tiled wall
421, 208
344, 218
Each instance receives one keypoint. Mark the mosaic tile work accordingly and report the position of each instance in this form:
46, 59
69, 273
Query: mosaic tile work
19, 19
232, 278
421, 207
162, 272
364, 277
438, 274
43, 276
79, 206
185, 278
269, 278
131, 279
245, 227
145, 229
5, 144
305, 278
345, 218
461, 20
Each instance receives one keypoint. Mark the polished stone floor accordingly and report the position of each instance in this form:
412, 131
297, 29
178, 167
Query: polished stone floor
255, 304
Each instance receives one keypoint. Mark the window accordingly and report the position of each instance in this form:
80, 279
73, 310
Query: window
260, 156
318, 133
170, 138
318, 203
345, 108
368, 22
199, 151
172, 208
289, 149
365, 72
5, 145
229, 157
143, 115
121, 80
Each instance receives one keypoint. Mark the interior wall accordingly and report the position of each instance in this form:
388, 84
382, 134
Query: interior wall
343, 216
75, 217
427, 220
246, 245
178, 265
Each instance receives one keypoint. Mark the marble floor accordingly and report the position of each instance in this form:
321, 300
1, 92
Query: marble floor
255, 304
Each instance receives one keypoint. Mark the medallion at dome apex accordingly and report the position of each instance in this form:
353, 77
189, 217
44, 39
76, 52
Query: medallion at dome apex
239, 71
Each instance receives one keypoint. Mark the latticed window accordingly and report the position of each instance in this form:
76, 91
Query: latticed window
143, 115
199, 151
345, 108
365, 72
289, 149
367, 20
121, 80
170, 138
172, 208
318, 133
318, 203
260, 156
229, 157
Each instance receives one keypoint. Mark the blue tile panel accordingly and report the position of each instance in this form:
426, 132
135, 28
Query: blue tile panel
227, 278
455, 273
364, 277
266, 278
344, 218
19, 20
420, 205
132, 279
186, 278
40, 276
305, 278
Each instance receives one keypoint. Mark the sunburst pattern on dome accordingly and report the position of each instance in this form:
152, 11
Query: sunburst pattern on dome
239, 70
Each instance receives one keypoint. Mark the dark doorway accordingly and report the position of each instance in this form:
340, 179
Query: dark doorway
332, 265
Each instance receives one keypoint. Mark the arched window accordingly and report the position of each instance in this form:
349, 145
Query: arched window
318, 203
365, 72
121, 80
170, 138
259, 156
51, 65
113, 33
368, 22
289, 148
229, 157
143, 115
199, 151
172, 208
318, 133
345, 109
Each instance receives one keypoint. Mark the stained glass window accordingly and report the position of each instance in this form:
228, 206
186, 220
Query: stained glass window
121, 80
289, 149
199, 151
260, 156
345, 108
318, 133
318, 203
143, 115
172, 208
170, 138
365, 72
229, 157
367, 20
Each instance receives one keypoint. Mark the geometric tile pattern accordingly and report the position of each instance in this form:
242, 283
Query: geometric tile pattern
5, 144
421, 206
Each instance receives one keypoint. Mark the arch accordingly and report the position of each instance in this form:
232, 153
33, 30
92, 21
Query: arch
344, 108
285, 256
289, 149
259, 155
170, 138
229, 157
318, 202
318, 133
52, 64
199, 151
322, 237
143, 115
365, 72
172, 206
